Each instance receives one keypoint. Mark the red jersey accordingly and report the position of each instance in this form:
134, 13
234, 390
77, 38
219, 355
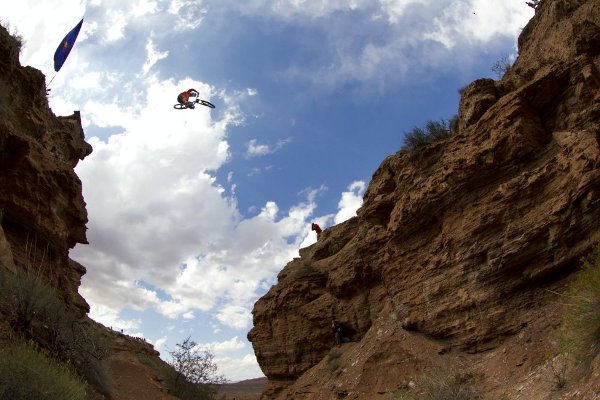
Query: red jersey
185, 96
316, 228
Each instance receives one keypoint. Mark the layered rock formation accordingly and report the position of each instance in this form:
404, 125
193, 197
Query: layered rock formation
456, 256
43, 209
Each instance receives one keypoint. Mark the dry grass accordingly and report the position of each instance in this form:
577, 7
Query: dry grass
26, 373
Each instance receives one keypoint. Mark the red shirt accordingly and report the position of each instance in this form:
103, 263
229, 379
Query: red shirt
316, 228
185, 96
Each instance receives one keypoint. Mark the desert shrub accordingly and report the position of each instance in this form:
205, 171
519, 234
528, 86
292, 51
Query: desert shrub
19, 41
401, 394
441, 386
176, 384
558, 370
186, 390
580, 329
194, 372
33, 305
30, 299
433, 131
27, 374
453, 387
334, 362
501, 67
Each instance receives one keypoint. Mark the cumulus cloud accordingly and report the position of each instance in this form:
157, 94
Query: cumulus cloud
117, 27
253, 149
237, 369
477, 21
350, 201
189, 13
224, 347
153, 56
160, 343
109, 317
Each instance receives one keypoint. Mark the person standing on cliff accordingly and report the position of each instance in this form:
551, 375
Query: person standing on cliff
316, 228
337, 332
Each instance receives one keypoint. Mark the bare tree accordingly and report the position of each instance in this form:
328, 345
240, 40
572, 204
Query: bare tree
195, 364
501, 67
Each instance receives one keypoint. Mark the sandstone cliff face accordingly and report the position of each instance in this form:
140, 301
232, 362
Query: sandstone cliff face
43, 209
459, 249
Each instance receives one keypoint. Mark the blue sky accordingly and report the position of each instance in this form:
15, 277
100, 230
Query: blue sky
193, 213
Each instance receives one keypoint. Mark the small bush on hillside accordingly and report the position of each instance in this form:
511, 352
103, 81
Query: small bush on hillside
333, 361
27, 374
501, 67
194, 372
580, 330
176, 384
30, 299
433, 131
33, 305
16, 36
438, 386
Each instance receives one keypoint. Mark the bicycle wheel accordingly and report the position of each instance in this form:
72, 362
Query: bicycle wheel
206, 103
180, 106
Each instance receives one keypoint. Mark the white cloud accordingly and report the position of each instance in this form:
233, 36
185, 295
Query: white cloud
109, 317
160, 343
224, 347
189, 13
350, 201
144, 7
238, 369
86, 81
153, 56
117, 26
477, 20
253, 149
394, 9
237, 317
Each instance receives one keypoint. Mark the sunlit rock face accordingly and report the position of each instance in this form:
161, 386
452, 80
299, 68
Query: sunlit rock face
460, 248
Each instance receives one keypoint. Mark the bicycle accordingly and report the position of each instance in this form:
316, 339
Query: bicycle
180, 106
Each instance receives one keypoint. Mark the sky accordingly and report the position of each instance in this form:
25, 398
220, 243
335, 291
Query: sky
192, 213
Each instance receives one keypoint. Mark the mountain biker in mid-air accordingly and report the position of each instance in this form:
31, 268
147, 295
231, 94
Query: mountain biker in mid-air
184, 97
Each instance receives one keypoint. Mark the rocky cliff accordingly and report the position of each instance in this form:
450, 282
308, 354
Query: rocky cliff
455, 259
42, 216
43, 209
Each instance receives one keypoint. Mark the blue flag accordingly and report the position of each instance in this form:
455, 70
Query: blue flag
64, 48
